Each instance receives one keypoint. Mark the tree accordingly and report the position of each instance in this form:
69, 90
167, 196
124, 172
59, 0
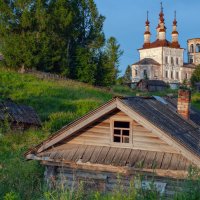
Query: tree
59, 36
196, 76
110, 63
127, 78
91, 41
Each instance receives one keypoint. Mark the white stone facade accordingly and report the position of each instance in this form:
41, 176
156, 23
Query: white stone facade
164, 60
194, 51
170, 60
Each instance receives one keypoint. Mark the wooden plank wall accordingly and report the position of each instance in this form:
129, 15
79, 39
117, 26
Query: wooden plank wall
99, 134
103, 181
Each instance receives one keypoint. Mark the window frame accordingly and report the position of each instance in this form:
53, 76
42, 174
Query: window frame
172, 61
166, 60
177, 75
177, 61
112, 120
166, 74
172, 75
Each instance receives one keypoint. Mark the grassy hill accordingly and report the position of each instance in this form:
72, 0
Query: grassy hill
57, 103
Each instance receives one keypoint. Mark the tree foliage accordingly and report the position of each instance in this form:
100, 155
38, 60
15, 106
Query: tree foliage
127, 78
196, 76
61, 36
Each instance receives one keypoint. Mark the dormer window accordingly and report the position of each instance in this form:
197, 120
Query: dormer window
121, 132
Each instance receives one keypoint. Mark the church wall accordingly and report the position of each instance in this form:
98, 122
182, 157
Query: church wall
154, 53
194, 51
186, 73
153, 72
170, 70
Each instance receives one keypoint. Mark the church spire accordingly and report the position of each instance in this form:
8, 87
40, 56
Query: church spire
162, 28
175, 42
147, 34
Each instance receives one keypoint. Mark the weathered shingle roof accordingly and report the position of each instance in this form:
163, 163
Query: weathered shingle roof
147, 61
194, 113
116, 156
156, 110
167, 119
18, 113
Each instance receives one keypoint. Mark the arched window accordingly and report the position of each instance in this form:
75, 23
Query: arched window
191, 48
198, 48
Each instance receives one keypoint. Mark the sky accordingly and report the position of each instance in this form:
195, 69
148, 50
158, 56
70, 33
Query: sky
125, 20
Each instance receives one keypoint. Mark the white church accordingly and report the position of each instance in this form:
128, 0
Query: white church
163, 59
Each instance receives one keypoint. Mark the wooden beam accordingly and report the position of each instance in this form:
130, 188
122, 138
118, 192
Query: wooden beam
127, 171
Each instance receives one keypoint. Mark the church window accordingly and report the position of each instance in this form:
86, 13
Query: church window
177, 62
198, 48
166, 60
177, 75
191, 59
166, 74
145, 74
186, 76
121, 131
191, 48
172, 60
136, 72
156, 73
172, 75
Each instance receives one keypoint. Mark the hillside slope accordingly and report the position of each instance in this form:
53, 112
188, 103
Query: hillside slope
57, 103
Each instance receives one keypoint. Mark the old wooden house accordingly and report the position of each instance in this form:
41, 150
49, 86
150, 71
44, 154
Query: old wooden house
19, 117
125, 136
151, 85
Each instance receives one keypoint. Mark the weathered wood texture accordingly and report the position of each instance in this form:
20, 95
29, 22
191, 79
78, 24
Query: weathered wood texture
99, 133
113, 156
104, 182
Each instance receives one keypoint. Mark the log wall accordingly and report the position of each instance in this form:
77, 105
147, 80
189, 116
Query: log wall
99, 133
106, 181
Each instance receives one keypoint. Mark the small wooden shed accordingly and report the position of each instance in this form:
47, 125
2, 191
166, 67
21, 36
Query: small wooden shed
151, 85
125, 136
19, 117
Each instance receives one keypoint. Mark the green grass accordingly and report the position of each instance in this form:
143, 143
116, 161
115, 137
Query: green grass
196, 100
57, 103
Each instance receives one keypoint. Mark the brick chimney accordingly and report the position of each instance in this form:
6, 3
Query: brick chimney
184, 99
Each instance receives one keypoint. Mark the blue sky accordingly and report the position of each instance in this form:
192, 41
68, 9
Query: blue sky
125, 20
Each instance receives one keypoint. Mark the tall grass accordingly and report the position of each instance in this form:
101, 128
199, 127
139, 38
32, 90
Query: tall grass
57, 103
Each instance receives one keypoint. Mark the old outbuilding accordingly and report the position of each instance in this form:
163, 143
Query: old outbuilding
126, 136
151, 85
20, 117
